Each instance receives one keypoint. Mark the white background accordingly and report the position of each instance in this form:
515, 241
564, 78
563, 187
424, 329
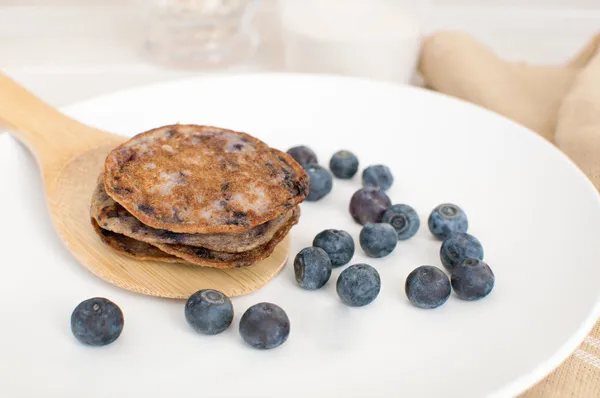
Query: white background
66, 50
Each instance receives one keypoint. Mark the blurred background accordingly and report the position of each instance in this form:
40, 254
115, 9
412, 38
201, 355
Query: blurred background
66, 50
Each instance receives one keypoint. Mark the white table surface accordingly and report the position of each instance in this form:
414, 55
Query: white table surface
71, 52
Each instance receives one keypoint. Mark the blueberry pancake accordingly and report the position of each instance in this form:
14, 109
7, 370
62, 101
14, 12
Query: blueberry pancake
194, 255
113, 217
202, 179
209, 258
133, 248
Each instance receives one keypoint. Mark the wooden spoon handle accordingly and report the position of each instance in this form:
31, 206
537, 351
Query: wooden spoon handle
49, 134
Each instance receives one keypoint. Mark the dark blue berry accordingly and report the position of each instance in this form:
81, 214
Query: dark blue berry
473, 279
404, 219
339, 245
312, 267
343, 164
378, 240
368, 205
358, 285
447, 219
303, 155
321, 182
265, 326
97, 322
378, 176
209, 311
427, 287
457, 248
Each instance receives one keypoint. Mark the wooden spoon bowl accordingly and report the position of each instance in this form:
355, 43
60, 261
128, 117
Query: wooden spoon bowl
70, 156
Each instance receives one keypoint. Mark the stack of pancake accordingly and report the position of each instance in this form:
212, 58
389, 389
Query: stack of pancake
197, 194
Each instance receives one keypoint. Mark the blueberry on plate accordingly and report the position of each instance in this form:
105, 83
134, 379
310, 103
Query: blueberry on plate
358, 285
368, 205
378, 240
265, 326
378, 176
97, 322
312, 267
209, 311
303, 155
447, 219
343, 164
457, 248
472, 280
427, 287
404, 219
320, 180
339, 245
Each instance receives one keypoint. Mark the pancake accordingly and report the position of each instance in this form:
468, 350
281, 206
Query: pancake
193, 255
202, 179
133, 248
113, 217
208, 258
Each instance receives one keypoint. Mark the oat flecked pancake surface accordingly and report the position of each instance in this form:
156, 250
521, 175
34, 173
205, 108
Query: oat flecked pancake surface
133, 248
113, 217
202, 179
209, 258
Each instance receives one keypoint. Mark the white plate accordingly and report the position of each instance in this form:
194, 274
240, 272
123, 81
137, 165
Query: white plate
534, 211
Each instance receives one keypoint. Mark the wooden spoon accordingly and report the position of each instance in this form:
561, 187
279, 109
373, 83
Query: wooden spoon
71, 155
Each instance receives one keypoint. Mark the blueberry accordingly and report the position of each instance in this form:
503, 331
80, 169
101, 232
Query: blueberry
321, 182
427, 287
447, 219
368, 205
303, 155
457, 248
265, 326
473, 279
343, 164
378, 176
378, 240
358, 285
209, 311
97, 322
404, 219
339, 245
312, 267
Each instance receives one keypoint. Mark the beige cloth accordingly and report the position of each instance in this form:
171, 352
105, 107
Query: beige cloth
560, 103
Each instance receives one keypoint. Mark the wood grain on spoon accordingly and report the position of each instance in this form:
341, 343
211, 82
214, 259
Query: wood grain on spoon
70, 155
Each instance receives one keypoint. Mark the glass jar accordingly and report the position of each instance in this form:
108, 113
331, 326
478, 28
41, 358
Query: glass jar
198, 33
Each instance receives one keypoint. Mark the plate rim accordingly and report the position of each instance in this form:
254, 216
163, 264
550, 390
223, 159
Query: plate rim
510, 389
